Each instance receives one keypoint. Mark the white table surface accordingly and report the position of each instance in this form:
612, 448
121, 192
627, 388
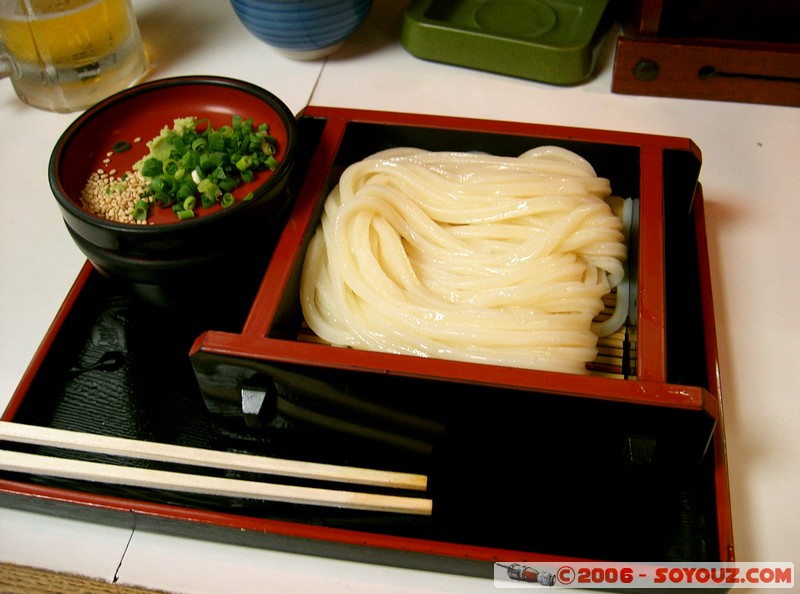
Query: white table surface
751, 180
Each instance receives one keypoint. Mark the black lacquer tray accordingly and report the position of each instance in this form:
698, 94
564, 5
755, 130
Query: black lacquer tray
511, 477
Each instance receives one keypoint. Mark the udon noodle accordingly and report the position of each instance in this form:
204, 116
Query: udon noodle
464, 256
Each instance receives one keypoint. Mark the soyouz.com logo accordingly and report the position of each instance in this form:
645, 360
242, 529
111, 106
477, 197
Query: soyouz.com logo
616, 576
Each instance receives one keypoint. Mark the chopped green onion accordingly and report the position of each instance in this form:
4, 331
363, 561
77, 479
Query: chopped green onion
190, 159
170, 167
163, 199
208, 187
185, 214
121, 147
207, 201
197, 175
140, 210
152, 167
244, 163
196, 161
161, 183
178, 143
227, 184
186, 190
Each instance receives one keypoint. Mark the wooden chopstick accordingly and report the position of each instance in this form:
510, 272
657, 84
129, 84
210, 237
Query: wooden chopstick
207, 485
161, 452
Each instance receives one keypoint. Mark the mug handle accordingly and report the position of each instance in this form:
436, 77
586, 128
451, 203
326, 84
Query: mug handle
8, 67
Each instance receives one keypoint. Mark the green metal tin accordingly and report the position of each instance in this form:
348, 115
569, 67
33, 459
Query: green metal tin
552, 41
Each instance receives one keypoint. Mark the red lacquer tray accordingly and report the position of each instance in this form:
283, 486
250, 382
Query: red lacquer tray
627, 466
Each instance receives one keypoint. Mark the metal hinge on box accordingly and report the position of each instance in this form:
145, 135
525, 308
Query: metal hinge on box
736, 51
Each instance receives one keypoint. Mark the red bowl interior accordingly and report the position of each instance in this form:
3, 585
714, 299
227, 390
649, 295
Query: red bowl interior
142, 112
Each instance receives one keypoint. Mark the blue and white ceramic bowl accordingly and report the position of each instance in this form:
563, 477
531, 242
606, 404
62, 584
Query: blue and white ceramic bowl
302, 29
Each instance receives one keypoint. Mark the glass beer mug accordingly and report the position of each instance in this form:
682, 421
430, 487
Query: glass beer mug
66, 55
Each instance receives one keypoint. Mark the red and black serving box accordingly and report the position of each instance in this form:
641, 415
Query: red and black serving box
625, 463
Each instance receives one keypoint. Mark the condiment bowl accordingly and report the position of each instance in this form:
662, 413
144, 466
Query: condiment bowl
168, 260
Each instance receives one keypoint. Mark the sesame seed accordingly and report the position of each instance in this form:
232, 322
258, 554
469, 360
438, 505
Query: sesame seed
110, 198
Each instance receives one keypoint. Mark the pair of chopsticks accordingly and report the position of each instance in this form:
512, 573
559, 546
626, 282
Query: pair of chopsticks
206, 485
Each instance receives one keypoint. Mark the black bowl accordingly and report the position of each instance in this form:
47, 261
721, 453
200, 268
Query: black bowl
168, 261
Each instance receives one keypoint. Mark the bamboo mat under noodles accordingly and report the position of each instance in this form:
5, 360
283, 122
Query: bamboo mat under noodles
616, 353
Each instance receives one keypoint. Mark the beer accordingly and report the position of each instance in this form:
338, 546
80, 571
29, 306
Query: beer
69, 54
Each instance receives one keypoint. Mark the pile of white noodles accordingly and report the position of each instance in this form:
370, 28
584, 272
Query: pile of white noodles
464, 256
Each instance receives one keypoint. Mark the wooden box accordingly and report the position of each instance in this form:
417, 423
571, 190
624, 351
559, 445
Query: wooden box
725, 51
